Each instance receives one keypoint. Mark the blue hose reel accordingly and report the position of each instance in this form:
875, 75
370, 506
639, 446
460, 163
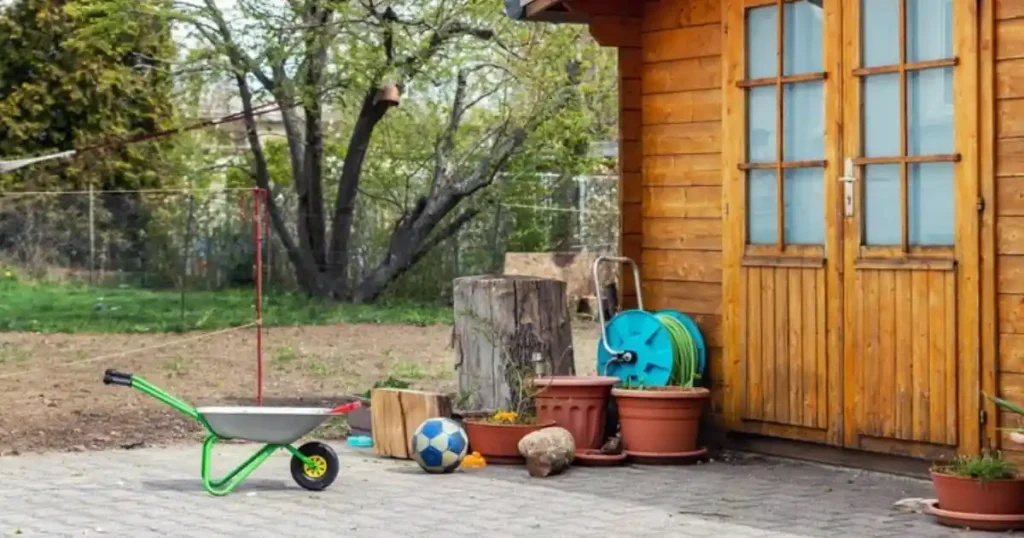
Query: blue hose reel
643, 348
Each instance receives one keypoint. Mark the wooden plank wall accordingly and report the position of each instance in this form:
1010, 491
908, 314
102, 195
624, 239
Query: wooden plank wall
786, 374
1009, 171
907, 391
681, 197
630, 165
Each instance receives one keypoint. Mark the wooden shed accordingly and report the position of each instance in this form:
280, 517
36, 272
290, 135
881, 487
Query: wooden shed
835, 190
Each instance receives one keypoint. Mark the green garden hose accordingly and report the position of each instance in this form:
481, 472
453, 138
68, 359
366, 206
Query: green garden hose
684, 352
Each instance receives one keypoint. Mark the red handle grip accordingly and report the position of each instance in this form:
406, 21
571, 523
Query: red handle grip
345, 408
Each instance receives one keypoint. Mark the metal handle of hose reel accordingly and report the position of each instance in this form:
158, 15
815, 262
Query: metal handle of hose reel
600, 301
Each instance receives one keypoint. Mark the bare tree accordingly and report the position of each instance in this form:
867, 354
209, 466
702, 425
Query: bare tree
363, 57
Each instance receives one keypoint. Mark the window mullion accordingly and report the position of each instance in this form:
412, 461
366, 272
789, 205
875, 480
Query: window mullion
780, 136
904, 198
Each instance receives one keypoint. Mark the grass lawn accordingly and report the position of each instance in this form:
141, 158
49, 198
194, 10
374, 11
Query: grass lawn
52, 308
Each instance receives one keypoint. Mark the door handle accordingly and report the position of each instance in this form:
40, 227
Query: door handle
848, 177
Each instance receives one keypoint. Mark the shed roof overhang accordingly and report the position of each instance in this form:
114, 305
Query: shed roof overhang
556, 11
613, 23
571, 11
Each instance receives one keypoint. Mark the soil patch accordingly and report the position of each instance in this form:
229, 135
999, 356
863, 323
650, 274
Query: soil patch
57, 402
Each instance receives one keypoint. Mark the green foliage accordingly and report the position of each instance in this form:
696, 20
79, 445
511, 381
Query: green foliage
62, 87
52, 308
1006, 404
391, 382
987, 466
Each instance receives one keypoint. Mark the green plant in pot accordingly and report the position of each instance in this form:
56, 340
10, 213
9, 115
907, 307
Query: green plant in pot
982, 491
496, 436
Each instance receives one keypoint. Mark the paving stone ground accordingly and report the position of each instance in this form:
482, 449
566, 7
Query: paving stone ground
157, 492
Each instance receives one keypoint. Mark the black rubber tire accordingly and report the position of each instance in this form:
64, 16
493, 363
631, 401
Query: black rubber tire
311, 449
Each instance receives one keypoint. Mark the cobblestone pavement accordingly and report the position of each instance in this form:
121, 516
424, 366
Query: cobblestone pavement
157, 492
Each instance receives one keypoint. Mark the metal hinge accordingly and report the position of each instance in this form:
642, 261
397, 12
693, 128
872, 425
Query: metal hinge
983, 417
981, 204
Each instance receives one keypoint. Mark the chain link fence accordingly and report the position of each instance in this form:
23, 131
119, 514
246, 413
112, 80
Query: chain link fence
204, 240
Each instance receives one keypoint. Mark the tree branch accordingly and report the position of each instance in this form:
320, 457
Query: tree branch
450, 30
453, 227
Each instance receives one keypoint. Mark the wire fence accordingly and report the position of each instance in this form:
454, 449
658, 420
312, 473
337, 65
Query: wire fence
204, 240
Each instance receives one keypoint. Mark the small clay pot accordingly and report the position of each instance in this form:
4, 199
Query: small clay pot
663, 420
974, 496
576, 403
499, 443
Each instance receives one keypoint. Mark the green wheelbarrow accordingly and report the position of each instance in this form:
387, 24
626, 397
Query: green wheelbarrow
314, 465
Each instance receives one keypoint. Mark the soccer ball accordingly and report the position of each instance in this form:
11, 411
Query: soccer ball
439, 445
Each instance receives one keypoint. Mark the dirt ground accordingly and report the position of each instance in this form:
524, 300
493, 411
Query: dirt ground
52, 396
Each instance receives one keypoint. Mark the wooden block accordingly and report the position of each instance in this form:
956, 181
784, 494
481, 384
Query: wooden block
396, 415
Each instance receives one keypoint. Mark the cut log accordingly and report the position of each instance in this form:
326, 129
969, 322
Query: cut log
504, 323
396, 415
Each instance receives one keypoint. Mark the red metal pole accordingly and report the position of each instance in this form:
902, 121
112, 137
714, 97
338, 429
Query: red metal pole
257, 230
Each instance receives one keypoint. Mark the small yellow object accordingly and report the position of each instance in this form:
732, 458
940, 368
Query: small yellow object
505, 417
474, 461
8, 274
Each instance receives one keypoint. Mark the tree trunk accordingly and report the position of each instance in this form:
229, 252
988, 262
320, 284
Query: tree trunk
348, 187
500, 322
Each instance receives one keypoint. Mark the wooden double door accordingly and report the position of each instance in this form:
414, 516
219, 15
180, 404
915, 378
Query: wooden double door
851, 249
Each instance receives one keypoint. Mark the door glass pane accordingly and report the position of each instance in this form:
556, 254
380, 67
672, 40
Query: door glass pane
762, 42
929, 30
930, 111
804, 121
880, 32
803, 194
761, 107
930, 207
882, 205
882, 115
802, 34
762, 223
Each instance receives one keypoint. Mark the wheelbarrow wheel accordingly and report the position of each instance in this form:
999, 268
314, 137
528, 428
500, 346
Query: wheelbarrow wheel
323, 474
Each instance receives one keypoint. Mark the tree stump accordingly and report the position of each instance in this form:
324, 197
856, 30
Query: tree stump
504, 323
396, 415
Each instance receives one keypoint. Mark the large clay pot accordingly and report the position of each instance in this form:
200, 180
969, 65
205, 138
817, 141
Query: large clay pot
660, 421
964, 494
576, 403
499, 443
995, 505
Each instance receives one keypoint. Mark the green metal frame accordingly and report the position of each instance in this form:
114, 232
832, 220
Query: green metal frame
229, 482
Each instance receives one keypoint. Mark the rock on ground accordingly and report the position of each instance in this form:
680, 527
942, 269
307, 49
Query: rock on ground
548, 451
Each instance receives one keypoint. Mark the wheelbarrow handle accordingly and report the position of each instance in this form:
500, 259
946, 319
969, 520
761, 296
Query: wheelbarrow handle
113, 377
346, 408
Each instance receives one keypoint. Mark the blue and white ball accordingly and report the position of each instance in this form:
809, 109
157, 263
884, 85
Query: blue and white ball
439, 445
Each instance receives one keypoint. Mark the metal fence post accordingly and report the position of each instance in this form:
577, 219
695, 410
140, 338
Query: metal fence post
92, 236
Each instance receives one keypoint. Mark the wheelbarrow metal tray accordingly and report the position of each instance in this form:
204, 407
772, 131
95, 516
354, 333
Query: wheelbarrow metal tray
272, 425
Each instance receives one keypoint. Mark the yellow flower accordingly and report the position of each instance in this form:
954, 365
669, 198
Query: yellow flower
505, 417
8, 274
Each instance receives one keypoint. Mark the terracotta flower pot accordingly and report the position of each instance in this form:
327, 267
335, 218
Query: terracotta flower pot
660, 421
974, 496
576, 403
499, 443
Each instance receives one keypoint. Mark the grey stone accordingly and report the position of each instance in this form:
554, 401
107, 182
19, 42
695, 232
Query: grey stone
548, 451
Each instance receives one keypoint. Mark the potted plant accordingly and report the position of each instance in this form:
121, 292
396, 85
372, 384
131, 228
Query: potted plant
496, 435
980, 491
660, 423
